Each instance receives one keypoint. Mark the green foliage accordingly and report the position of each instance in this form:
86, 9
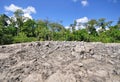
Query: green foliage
23, 38
29, 28
6, 35
5, 38
56, 27
26, 30
91, 27
105, 38
114, 32
81, 35
94, 38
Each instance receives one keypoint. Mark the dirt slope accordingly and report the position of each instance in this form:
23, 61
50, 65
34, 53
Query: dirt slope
60, 62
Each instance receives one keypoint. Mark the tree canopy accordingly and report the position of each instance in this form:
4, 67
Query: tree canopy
19, 29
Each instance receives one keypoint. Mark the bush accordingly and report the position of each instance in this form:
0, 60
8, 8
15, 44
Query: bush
6, 39
23, 38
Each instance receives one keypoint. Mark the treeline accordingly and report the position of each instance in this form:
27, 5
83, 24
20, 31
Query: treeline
19, 29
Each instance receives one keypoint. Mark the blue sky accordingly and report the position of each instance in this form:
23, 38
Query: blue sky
64, 10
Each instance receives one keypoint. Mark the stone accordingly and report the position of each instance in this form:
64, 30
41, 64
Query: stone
33, 78
58, 77
57, 61
79, 48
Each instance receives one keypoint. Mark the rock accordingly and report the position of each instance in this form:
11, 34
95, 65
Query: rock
101, 73
4, 55
3, 46
58, 77
79, 48
56, 61
111, 62
33, 78
80, 64
97, 57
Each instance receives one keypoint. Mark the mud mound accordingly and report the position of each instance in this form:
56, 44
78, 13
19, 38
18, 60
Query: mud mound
60, 62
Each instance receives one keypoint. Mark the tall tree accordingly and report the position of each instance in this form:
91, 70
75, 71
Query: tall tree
3, 20
73, 26
56, 27
101, 23
6, 32
29, 28
91, 27
41, 30
118, 23
18, 19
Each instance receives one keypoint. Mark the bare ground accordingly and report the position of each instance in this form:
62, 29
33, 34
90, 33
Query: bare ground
55, 61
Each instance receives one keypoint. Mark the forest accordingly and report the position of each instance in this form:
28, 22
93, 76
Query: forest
18, 29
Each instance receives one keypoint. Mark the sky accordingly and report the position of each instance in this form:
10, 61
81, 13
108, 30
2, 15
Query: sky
63, 11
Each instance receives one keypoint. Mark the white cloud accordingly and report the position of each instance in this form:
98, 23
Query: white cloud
80, 23
98, 29
84, 3
12, 8
27, 15
27, 11
67, 27
8, 21
82, 20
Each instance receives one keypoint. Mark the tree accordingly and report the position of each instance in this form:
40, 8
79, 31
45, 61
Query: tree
3, 20
18, 20
42, 31
6, 33
29, 28
101, 23
91, 27
114, 32
73, 26
82, 35
56, 27
118, 21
